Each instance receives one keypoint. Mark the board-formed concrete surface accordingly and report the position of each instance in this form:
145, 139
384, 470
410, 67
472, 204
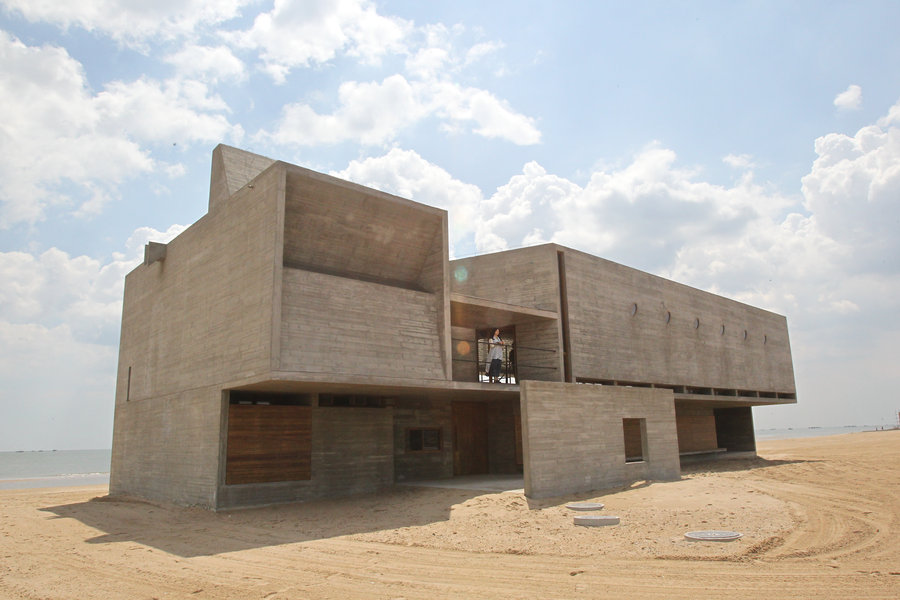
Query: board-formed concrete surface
574, 437
299, 289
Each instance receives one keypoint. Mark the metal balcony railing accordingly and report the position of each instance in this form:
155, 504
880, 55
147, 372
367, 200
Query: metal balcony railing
509, 372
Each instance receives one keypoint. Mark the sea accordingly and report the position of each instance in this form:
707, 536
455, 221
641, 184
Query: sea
66, 468
53, 468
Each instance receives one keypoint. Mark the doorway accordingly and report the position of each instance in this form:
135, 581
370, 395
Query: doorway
470, 438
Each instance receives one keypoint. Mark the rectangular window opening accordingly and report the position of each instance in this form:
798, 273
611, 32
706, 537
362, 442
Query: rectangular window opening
634, 431
423, 440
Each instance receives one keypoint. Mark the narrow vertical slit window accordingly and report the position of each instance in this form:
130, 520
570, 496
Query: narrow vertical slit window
128, 387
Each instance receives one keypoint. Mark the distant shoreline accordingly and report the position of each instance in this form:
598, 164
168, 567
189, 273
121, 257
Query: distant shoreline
787, 433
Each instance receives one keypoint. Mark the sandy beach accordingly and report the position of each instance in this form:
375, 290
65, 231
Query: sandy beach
820, 518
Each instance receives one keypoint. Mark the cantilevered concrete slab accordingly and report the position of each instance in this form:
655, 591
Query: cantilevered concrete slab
480, 313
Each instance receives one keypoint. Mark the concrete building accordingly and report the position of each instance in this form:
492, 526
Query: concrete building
309, 337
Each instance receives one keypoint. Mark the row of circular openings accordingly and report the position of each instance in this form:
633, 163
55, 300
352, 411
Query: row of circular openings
634, 309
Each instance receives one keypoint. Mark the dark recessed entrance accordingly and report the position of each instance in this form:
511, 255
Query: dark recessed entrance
470, 438
487, 437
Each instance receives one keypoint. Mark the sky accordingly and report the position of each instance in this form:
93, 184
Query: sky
751, 149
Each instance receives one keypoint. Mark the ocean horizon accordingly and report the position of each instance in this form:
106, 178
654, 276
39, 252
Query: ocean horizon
786, 433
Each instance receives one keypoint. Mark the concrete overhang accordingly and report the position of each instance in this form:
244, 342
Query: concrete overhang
300, 383
727, 401
480, 313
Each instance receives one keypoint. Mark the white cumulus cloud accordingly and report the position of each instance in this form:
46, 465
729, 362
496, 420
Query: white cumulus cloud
127, 21
57, 131
376, 113
853, 192
53, 288
372, 113
300, 33
849, 99
60, 315
208, 63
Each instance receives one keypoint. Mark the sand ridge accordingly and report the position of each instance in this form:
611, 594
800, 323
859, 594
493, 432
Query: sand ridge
820, 518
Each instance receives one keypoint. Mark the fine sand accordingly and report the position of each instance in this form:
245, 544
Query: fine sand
820, 518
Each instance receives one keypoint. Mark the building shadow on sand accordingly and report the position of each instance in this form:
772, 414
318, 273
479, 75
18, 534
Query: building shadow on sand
730, 465
189, 532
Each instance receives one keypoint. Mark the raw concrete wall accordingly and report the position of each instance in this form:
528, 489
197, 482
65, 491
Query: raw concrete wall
573, 437
525, 277
352, 453
191, 322
365, 282
612, 341
501, 416
232, 169
204, 314
167, 448
345, 229
348, 327
538, 352
411, 413
465, 367
435, 278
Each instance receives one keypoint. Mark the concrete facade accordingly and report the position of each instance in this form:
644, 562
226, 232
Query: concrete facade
575, 438
310, 337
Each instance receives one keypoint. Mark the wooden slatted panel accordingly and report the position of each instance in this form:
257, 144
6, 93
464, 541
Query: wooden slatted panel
268, 443
696, 433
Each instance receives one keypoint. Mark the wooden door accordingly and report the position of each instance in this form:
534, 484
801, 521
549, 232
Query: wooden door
470, 438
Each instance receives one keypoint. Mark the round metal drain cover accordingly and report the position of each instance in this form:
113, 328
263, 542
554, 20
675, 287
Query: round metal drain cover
713, 536
596, 520
585, 506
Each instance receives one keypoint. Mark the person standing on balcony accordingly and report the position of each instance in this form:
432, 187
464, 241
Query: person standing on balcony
495, 356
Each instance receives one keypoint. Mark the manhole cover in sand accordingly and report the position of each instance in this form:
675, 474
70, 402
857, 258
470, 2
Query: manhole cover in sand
596, 520
584, 505
713, 536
